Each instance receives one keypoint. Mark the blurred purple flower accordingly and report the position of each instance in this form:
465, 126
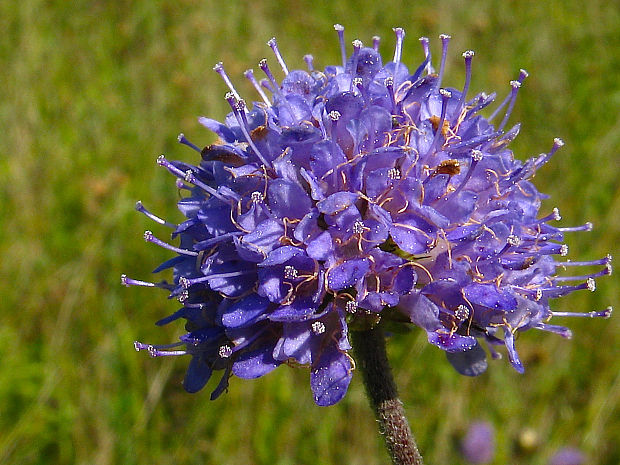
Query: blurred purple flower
568, 456
360, 192
478, 445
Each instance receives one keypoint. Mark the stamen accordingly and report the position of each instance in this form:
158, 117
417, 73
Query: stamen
219, 69
445, 96
257, 197
394, 174
515, 85
357, 45
274, 46
309, 59
265, 67
468, 55
126, 281
462, 312
376, 40
522, 76
340, 30
155, 351
554, 215
238, 107
603, 314
249, 74
445, 40
318, 327
290, 272
427, 54
225, 351
602, 261
358, 227
604, 272
149, 237
334, 115
351, 306
182, 139
389, 85
398, 49
545, 157
187, 176
139, 207
584, 227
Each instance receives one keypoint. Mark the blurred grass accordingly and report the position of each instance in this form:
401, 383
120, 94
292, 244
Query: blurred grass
93, 91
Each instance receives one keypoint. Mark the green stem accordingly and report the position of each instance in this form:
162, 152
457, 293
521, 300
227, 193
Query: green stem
371, 359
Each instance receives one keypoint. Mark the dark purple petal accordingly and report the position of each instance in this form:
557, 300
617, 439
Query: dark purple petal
287, 199
330, 376
347, 274
245, 311
255, 363
472, 362
197, 375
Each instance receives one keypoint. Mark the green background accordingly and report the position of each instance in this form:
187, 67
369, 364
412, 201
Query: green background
92, 92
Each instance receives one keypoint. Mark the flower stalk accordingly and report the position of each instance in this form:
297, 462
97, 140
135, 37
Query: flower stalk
371, 358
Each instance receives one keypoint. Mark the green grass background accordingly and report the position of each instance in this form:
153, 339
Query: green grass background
92, 91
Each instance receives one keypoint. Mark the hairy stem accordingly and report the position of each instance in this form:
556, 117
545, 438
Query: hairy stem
371, 358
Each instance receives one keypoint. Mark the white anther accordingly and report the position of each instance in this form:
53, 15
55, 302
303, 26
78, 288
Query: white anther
358, 227
161, 160
224, 351
393, 173
556, 214
589, 226
358, 81
515, 84
476, 155
257, 197
564, 250
444, 36
357, 43
462, 312
468, 54
523, 73
591, 284
389, 81
539, 295
148, 235
513, 240
184, 282
290, 272
334, 115
318, 327
351, 306
189, 176
338, 27
183, 296
558, 142
445, 93
124, 280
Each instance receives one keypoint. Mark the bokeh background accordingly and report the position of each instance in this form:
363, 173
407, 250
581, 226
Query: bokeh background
91, 92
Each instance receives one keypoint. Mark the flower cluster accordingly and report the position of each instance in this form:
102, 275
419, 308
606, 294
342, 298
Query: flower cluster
360, 193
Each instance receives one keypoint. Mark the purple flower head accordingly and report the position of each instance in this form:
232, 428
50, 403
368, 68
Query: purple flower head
568, 456
358, 193
478, 445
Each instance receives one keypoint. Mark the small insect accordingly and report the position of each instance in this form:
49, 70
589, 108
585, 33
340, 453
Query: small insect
450, 167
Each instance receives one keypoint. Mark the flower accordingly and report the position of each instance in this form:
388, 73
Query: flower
567, 456
478, 445
360, 193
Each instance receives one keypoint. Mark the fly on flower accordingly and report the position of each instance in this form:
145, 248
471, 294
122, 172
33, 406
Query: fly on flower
353, 194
